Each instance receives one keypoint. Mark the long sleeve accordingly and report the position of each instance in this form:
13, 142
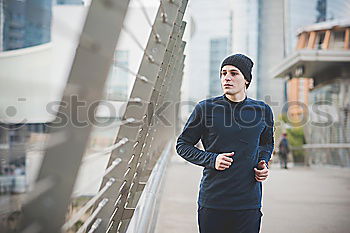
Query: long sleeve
266, 144
192, 132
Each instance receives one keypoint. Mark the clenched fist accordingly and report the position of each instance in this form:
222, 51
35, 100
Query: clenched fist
262, 172
224, 161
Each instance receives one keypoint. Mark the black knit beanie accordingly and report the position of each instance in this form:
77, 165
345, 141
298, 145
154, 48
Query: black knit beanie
243, 63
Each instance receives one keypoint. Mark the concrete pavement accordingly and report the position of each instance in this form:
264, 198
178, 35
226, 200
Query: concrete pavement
303, 200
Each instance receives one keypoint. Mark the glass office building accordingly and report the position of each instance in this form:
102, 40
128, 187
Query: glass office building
218, 51
25, 23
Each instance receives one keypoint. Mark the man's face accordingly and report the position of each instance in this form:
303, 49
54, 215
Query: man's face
232, 80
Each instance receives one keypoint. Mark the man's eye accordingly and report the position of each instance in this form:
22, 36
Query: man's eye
224, 73
233, 73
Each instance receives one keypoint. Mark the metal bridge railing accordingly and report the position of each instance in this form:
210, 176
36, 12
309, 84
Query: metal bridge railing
142, 137
333, 154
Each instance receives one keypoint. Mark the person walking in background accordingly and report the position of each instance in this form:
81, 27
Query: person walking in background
283, 150
237, 136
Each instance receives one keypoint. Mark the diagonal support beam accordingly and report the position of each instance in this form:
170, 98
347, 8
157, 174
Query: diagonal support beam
174, 57
46, 210
113, 213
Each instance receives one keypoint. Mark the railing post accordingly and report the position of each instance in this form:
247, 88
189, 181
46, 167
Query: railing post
162, 131
139, 180
157, 129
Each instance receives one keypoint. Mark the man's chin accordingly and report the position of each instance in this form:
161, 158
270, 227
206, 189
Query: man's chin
230, 92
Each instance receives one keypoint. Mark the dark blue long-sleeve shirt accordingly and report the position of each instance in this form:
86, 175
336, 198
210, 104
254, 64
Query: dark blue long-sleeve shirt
223, 126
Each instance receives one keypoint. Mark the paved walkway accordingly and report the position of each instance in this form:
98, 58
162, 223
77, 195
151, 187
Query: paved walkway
302, 200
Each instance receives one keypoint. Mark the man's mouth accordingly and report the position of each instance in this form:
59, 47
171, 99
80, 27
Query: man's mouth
228, 85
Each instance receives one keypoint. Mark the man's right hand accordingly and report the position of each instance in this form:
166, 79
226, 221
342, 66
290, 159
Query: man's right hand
224, 161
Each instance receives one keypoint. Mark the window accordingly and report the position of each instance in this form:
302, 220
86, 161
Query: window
347, 39
320, 39
337, 40
307, 37
301, 90
218, 51
118, 80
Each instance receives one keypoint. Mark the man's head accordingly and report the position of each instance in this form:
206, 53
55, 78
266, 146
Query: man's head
236, 73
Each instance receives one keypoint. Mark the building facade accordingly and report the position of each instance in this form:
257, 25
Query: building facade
245, 35
323, 55
252, 34
218, 50
25, 23
209, 31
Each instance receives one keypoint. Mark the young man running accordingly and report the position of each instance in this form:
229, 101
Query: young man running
237, 136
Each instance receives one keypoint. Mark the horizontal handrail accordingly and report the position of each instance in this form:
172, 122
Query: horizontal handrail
327, 145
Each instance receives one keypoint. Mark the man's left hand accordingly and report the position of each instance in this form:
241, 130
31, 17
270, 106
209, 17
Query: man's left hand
262, 172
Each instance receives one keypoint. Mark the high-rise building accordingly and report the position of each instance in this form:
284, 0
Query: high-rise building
245, 35
210, 37
218, 51
297, 38
69, 2
14, 24
269, 52
25, 33
267, 31
25, 23
118, 81
254, 35
321, 10
297, 14
322, 60
25, 26
337, 9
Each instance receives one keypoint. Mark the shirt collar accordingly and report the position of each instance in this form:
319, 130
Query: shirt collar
235, 103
